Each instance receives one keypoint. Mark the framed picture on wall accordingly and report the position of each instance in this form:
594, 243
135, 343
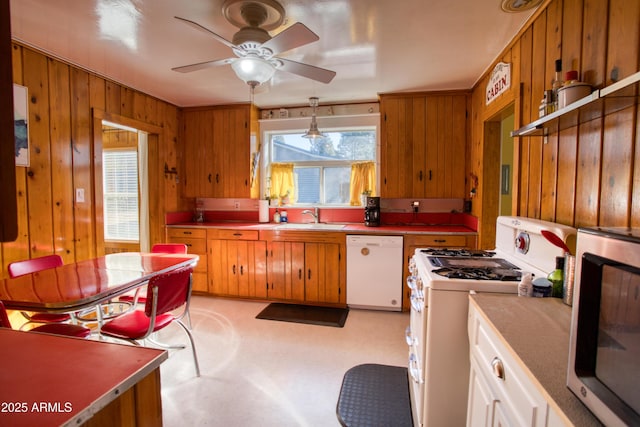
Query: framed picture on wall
21, 124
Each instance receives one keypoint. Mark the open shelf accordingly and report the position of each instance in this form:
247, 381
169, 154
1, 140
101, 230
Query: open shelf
600, 102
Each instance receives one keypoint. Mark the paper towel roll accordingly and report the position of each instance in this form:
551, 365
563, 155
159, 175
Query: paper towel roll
263, 210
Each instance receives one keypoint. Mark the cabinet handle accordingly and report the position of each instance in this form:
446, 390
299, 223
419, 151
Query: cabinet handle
217, 178
498, 368
233, 269
186, 232
209, 178
430, 174
440, 240
300, 273
241, 270
420, 175
237, 234
309, 274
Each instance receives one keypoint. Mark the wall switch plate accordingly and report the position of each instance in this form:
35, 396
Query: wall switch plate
79, 195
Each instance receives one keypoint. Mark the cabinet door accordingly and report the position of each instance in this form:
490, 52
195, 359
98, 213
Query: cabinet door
396, 170
198, 133
218, 267
286, 271
446, 146
481, 402
322, 272
256, 269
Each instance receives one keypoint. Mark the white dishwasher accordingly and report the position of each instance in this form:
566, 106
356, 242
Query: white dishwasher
374, 272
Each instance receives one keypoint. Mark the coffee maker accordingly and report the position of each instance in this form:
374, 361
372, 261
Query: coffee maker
372, 212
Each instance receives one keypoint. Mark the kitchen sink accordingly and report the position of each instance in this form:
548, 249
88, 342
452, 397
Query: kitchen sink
309, 226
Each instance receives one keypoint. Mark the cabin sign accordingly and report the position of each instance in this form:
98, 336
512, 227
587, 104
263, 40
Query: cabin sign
499, 81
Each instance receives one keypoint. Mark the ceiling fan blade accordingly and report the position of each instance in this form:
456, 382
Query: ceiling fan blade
208, 31
306, 70
295, 36
202, 65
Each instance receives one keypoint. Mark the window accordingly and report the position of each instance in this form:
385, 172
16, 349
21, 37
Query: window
120, 186
322, 167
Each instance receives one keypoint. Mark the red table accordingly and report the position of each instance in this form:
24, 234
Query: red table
86, 284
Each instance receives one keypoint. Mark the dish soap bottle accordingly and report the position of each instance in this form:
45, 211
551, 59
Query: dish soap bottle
555, 277
276, 216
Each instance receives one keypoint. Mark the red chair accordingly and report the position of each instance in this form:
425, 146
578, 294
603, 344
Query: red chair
20, 268
165, 292
65, 329
163, 248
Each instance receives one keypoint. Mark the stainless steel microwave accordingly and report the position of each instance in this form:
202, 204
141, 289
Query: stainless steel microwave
604, 352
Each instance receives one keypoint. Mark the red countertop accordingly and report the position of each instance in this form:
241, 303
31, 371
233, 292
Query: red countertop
49, 380
392, 222
348, 228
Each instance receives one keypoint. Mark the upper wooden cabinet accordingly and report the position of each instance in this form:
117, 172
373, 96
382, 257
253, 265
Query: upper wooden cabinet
217, 151
423, 144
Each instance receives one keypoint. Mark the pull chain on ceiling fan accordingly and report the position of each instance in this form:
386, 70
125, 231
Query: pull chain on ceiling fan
255, 49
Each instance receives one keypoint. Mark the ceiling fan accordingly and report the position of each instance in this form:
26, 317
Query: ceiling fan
255, 49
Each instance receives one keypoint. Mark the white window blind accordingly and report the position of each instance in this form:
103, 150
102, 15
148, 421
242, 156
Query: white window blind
120, 187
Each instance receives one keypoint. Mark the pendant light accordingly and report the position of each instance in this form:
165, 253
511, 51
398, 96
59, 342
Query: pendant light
313, 131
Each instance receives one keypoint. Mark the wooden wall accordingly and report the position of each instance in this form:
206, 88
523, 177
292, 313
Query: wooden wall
588, 174
65, 103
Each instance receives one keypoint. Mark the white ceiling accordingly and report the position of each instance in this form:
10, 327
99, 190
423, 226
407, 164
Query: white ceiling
375, 46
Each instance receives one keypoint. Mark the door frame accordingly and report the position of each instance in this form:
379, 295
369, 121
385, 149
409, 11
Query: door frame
154, 135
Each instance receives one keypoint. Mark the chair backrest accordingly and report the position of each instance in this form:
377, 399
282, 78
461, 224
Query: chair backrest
4, 317
20, 268
169, 248
172, 290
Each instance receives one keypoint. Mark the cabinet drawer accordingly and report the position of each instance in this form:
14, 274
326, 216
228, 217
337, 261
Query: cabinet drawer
444, 240
198, 233
225, 234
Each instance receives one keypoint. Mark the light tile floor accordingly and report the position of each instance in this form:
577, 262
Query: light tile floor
268, 373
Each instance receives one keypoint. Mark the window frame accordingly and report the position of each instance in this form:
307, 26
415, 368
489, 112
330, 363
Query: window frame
327, 124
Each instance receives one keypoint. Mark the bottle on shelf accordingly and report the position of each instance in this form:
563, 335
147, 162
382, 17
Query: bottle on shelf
525, 287
557, 82
276, 216
556, 278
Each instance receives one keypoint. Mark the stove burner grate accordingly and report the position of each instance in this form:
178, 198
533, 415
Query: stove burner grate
472, 273
458, 252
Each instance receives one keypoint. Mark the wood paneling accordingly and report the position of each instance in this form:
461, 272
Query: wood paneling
587, 174
65, 151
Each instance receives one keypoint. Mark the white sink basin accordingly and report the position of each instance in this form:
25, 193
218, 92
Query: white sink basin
309, 226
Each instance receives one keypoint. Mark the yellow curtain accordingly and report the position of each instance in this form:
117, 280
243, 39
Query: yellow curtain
363, 180
282, 183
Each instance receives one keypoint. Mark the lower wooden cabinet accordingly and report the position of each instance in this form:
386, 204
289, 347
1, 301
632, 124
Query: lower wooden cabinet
307, 267
196, 241
237, 264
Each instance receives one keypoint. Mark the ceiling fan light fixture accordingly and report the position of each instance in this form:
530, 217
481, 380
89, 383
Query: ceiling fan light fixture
313, 131
253, 70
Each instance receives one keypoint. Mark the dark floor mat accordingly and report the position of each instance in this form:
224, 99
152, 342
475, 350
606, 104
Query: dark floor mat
375, 395
297, 313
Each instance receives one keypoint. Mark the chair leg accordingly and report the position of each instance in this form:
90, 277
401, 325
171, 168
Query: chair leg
193, 346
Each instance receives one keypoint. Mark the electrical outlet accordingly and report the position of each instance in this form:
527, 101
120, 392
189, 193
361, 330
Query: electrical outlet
415, 205
236, 204
79, 195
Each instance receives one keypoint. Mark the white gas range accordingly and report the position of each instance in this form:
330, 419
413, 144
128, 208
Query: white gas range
440, 282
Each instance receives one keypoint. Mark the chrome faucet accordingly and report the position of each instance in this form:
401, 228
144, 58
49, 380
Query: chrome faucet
314, 214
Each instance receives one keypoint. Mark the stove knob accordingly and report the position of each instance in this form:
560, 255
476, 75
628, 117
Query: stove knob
522, 243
